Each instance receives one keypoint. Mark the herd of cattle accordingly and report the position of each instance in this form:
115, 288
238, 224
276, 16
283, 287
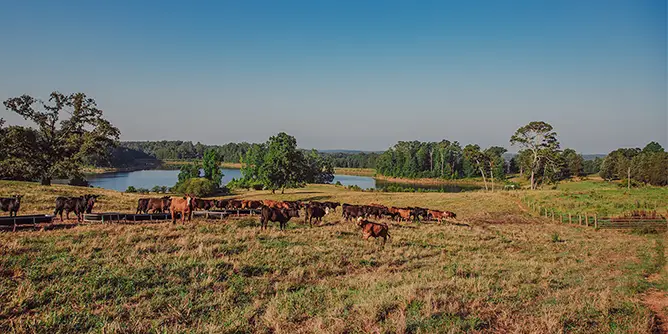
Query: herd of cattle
270, 211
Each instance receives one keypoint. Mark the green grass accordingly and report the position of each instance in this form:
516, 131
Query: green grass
602, 198
495, 270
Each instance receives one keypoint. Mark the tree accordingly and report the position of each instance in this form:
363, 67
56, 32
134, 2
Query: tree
652, 147
617, 164
478, 160
211, 166
539, 139
494, 157
187, 172
62, 144
317, 169
573, 163
282, 162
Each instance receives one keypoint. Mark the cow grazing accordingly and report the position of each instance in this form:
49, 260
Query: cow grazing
182, 205
418, 213
276, 204
373, 229
282, 216
250, 204
437, 214
331, 205
234, 204
315, 212
450, 214
78, 205
203, 204
11, 204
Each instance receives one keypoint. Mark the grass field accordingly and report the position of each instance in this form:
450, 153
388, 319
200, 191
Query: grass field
496, 269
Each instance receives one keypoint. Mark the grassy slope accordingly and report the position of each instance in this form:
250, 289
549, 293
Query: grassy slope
501, 272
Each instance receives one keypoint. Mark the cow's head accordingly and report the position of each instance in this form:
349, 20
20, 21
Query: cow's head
450, 214
18, 198
189, 200
360, 221
90, 202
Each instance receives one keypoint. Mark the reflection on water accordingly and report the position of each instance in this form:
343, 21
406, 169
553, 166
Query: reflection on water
151, 178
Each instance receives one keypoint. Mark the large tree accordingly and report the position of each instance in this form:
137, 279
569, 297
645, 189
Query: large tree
541, 141
282, 163
496, 162
478, 160
68, 129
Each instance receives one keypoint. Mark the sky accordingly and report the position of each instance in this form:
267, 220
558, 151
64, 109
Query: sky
349, 74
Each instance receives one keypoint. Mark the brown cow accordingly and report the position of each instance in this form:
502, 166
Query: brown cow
437, 214
400, 213
450, 214
234, 204
182, 205
373, 229
250, 204
276, 204
158, 204
315, 212
282, 216
204, 204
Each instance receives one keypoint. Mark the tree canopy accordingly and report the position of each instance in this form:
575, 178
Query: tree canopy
68, 128
539, 139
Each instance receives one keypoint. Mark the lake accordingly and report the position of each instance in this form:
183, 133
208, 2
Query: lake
150, 178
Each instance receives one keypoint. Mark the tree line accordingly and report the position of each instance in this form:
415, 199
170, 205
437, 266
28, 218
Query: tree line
647, 166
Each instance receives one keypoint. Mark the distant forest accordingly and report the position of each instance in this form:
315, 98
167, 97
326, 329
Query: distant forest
130, 151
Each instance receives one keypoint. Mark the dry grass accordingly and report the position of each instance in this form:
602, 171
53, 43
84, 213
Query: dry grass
494, 271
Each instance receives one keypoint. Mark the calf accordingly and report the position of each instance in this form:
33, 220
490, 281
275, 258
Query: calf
182, 205
314, 211
78, 205
282, 216
11, 204
373, 229
158, 204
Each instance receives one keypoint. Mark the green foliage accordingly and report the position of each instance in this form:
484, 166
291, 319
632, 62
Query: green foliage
198, 187
646, 166
142, 190
131, 189
58, 147
317, 168
211, 166
187, 172
540, 141
414, 159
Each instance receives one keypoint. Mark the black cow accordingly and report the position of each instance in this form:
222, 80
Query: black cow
418, 213
142, 205
205, 204
314, 211
276, 215
352, 211
11, 204
78, 205
331, 205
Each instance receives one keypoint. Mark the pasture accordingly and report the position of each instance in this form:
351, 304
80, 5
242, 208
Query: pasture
496, 269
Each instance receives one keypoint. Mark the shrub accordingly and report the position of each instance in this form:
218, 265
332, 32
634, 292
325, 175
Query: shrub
198, 187
131, 189
338, 183
142, 190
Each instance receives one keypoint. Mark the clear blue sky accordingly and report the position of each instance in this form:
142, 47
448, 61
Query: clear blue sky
349, 74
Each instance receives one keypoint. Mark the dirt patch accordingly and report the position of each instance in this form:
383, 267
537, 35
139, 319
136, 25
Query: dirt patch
657, 302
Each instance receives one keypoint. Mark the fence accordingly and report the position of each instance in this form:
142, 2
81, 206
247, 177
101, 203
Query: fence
633, 221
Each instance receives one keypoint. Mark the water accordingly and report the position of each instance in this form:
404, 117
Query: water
150, 178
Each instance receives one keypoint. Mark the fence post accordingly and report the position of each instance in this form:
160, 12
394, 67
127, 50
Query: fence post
553, 216
561, 218
579, 219
570, 221
596, 221
586, 219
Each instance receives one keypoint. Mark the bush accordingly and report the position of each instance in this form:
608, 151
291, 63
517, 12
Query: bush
131, 189
142, 190
198, 187
338, 183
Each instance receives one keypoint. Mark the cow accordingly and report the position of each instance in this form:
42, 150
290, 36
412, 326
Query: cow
142, 205
276, 204
182, 205
78, 205
352, 211
11, 204
203, 204
331, 205
234, 204
222, 204
418, 213
400, 213
436, 214
375, 210
373, 229
250, 204
315, 211
158, 204
295, 205
282, 216
450, 214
